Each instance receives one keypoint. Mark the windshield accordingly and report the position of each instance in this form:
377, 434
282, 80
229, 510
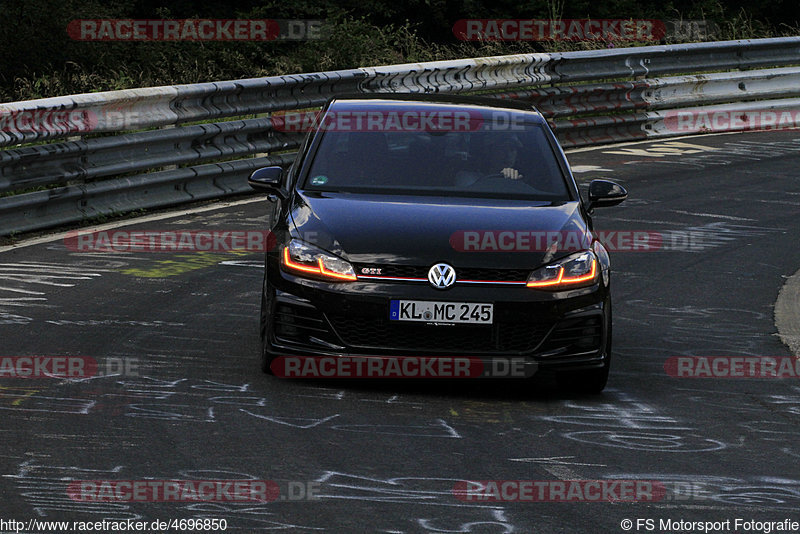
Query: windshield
502, 163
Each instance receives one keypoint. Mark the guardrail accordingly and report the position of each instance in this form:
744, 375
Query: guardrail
90, 172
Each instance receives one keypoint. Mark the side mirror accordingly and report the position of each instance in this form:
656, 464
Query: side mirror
605, 193
266, 179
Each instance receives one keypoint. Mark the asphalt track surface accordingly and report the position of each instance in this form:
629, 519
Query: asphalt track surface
385, 456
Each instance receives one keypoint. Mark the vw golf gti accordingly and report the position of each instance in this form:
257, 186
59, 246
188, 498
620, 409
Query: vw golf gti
436, 226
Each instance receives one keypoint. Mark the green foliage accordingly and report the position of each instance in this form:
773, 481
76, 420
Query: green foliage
38, 58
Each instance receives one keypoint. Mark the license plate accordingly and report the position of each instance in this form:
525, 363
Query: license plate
441, 312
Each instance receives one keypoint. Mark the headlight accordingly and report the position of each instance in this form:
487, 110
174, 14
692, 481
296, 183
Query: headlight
577, 270
301, 258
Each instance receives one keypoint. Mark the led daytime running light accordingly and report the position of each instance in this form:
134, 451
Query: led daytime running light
560, 280
318, 270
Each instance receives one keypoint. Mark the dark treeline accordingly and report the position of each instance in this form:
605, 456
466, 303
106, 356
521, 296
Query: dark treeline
39, 59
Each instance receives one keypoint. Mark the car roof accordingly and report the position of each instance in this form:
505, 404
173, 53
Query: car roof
376, 101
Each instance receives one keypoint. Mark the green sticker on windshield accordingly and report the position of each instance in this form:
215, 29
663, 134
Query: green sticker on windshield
319, 180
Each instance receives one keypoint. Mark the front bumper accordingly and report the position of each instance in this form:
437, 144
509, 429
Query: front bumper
557, 331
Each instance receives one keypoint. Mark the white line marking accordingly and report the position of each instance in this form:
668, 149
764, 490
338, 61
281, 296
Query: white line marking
16, 290
713, 215
556, 460
588, 168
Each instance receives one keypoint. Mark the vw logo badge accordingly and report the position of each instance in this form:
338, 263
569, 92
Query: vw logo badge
442, 276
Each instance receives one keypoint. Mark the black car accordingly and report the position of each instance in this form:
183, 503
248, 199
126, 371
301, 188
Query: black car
437, 226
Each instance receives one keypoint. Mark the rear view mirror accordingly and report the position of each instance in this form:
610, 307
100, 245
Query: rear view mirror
605, 193
266, 179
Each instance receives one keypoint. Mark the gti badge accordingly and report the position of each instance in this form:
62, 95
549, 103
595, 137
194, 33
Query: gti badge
442, 276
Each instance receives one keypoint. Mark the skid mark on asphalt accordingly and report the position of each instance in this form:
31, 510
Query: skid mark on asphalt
628, 423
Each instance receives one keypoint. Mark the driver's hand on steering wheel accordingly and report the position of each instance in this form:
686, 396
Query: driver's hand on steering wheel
512, 174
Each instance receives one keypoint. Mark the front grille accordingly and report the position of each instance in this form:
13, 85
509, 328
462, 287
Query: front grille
580, 334
462, 273
381, 333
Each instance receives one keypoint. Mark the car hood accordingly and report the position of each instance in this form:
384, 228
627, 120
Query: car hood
420, 230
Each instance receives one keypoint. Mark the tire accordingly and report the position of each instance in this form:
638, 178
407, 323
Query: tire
590, 382
593, 381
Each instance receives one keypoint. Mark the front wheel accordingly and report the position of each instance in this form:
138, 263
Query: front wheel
589, 382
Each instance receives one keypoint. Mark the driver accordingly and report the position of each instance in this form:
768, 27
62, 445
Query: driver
503, 156
496, 156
